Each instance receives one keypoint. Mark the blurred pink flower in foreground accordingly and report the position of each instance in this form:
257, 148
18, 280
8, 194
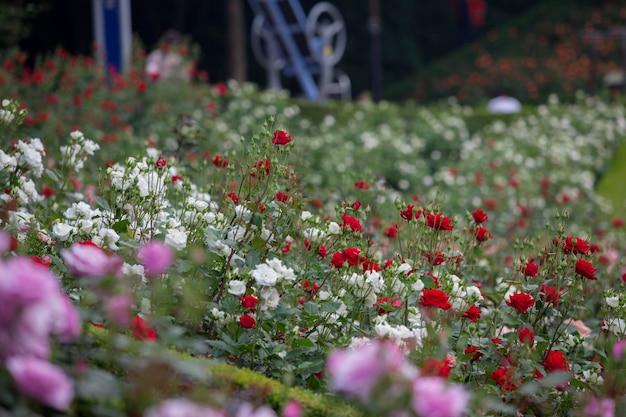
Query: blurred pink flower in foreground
434, 397
156, 257
619, 348
87, 260
356, 372
178, 407
32, 307
41, 381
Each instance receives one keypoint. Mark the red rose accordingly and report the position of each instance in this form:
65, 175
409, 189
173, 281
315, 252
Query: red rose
472, 313
261, 168
249, 301
439, 221
617, 222
282, 197
161, 162
526, 336
503, 376
530, 269
436, 258
220, 162
391, 231
352, 256
353, 223
437, 367
475, 350
233, 197
361, 185
407, 214
480, 216
550, 295
247, 321
281, 137
142, 330
323, 251
337, 260
434, 298
482, 234
575, 245
521, 302
586, 269
555, 361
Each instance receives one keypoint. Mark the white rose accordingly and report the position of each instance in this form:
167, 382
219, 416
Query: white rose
612, 301
270, 297
176, 238
264, 275
236, 287
418, 285
334, 228
306, 215
62, 231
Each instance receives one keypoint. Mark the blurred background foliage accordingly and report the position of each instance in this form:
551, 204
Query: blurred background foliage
527, 48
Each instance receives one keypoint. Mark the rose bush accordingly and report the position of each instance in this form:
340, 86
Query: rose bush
506, 295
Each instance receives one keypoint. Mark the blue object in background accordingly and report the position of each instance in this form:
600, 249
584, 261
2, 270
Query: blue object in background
112, 33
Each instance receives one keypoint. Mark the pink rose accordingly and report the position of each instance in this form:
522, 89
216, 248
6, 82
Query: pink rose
40, 380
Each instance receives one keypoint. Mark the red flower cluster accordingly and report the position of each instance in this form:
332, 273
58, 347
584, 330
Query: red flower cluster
472, 313
142, 330
482, 234
439, 222
247, 321
475, 350
350, 255
555, 361
352, 222
408, 215
550, 295
249, 301
521, 302
437, 367
261, 168
435, 298
526, 336
361, 185
586, 269
282, 197
503, 377
281, 137
575, 245
530, 269
480, 216
161, 162
220, 162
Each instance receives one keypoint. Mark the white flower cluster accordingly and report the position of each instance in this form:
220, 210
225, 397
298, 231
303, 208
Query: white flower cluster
615, 308
29, 156
271, 273
462, 296
81, 220
10, 111
76, 153
268, 275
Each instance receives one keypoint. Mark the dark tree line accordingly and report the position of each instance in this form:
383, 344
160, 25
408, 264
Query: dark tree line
413, 32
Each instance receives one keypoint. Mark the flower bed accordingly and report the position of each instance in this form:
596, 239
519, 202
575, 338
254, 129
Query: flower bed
395, 259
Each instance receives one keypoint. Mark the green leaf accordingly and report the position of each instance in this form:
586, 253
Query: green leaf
218, 344
556, 378
102, 203
329, 307
311, 308
97, 384
121, 226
